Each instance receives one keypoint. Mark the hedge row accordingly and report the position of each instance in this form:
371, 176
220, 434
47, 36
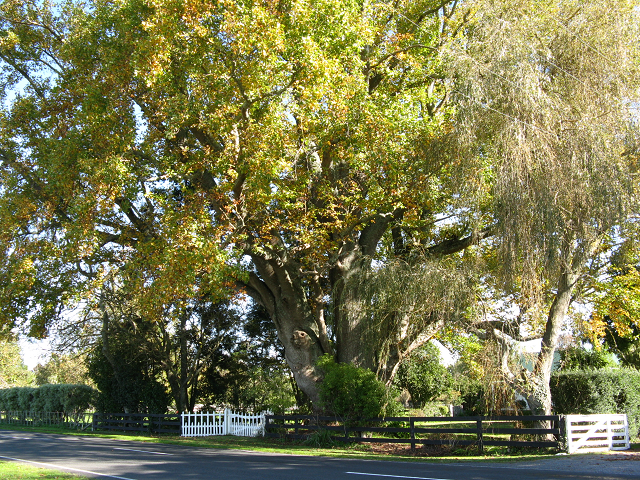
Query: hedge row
70, 399
598, 391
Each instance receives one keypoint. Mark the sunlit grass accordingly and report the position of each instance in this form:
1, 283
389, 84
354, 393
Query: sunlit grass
23, 471
283, 446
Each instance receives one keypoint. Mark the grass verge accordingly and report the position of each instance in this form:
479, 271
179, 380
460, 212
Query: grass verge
23, 471
393, 452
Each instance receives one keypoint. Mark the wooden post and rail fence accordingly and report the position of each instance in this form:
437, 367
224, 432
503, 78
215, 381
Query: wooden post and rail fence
453, 431
574, 433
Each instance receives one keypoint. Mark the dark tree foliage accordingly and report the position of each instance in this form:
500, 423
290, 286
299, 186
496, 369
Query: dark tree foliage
625, 347
128, 381
249, 371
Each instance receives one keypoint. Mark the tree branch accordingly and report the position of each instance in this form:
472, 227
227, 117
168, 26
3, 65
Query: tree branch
454, 245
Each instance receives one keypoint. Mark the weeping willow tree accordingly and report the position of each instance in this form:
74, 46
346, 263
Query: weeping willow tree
400, 305
545, 94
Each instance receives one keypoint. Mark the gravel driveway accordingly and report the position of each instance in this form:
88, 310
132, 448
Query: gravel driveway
625, 463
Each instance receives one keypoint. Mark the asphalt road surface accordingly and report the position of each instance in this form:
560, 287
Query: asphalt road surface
124, 460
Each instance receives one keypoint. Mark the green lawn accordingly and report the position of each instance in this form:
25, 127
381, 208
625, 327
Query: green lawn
360, 451
259, 444
23, 471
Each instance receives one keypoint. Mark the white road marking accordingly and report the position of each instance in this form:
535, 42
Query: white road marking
143, 451
393, 476
63, 468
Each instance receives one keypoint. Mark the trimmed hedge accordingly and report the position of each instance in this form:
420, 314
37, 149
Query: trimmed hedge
67, 398
598, 391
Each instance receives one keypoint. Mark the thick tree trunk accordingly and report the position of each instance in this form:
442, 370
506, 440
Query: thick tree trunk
295, 296
538, 394
301, 330
295, 300
352, 344
302, 349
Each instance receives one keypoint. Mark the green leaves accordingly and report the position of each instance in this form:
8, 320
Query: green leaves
422, 375
352, 393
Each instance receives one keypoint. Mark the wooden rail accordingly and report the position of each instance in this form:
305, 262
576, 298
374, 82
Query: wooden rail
137, 422
462, 431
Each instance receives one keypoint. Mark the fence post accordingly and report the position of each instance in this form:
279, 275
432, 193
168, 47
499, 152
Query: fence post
265, 423
412, 424
479, 433
226, 428
563, 442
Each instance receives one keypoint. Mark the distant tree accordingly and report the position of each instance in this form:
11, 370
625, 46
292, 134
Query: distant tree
128, 378
13, 371
63, 368
193, 339
249, 372
178, 341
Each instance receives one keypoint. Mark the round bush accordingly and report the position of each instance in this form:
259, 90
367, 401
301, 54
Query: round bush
351, 392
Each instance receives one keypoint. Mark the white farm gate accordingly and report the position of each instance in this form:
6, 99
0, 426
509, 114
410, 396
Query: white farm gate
597, 433
222, 423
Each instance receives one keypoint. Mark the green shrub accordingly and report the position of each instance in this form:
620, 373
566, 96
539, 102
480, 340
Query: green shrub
598, 391
50, 398
37, 402
578, 358
423, 376
351, 392
320, 439
435, 409
10, 398
75, 398
472, 398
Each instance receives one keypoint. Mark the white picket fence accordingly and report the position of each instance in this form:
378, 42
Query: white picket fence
597, 433
222, 423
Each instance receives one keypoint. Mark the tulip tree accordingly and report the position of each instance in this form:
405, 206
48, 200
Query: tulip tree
195, 148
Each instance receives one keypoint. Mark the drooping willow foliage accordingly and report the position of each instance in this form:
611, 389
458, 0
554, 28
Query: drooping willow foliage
545, 94
400, 305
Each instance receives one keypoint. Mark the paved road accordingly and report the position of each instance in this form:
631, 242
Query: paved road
123, 460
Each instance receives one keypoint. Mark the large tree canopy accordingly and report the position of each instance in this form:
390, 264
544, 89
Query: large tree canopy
265, 146
285, 149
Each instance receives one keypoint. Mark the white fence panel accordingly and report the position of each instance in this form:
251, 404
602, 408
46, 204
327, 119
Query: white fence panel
222, 423
203, 424
597, 433
246, 425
